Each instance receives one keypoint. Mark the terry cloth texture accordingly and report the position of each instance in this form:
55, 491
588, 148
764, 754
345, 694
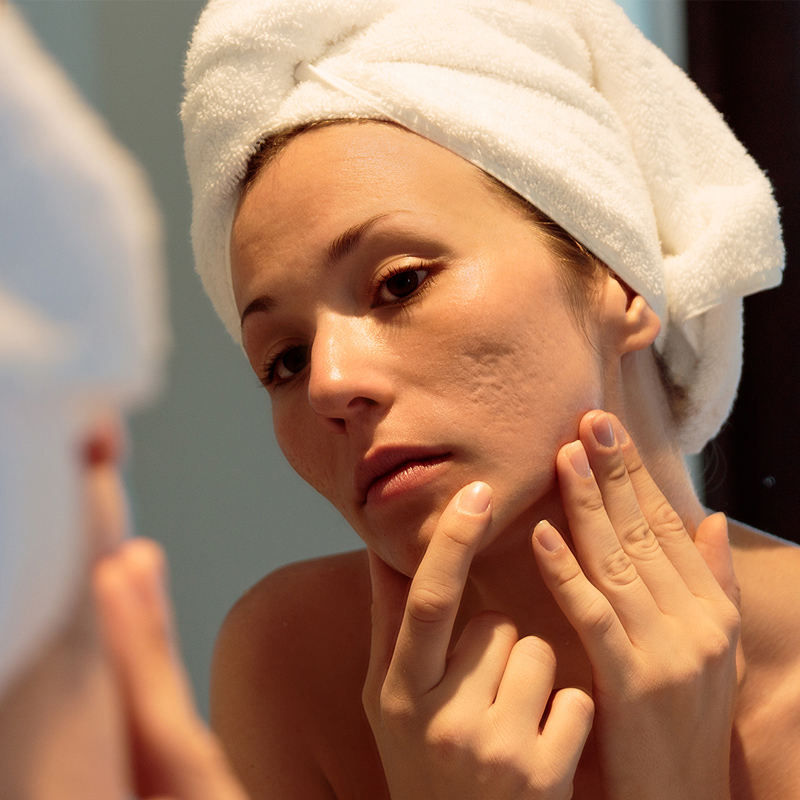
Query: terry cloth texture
562, 100
82, 327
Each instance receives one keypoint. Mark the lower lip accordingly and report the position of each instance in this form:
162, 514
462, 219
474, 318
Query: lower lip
408, 477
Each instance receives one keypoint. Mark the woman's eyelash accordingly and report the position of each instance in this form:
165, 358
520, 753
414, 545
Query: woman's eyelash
268, 377
414, 290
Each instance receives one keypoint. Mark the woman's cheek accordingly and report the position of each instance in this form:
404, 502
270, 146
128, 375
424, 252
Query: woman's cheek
305, 454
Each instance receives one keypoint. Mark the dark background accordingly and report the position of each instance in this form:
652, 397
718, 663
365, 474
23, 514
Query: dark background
745, 56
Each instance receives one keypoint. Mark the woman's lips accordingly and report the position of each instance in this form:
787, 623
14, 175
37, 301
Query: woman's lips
390, 472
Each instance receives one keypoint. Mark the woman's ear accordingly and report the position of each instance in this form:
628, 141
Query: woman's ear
628, 322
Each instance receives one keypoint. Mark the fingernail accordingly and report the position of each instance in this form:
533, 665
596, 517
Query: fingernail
621, 433
547, 536
602, 430
577, 457
475, 498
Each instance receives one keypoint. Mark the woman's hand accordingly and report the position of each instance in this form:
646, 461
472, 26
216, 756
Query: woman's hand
467, 725
173, 754
657, 614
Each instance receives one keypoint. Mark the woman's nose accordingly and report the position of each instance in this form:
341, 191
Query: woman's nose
347, 380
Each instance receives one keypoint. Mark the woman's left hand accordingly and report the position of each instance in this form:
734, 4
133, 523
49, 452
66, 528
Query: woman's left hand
658, 615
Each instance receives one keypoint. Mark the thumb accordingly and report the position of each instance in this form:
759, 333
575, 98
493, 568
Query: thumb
715, 547
389, 592
712, 541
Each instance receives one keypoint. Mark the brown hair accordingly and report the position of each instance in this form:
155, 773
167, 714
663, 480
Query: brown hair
580, 270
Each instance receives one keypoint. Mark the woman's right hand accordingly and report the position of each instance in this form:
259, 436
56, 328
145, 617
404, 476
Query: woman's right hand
658, 615
466, 723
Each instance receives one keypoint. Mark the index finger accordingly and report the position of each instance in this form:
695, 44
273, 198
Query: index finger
665, 522
420, 655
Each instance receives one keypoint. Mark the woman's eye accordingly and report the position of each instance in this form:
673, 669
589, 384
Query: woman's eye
288, 363
402, 284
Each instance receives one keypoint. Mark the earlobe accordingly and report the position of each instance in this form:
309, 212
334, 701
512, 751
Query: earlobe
633, 325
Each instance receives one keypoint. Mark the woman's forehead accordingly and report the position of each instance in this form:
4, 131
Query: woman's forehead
329, 179
370, 156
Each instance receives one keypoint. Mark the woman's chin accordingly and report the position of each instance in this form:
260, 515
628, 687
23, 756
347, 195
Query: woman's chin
400, 536
402, 545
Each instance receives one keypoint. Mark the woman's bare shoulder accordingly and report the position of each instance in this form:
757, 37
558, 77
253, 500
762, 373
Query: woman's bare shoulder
299, 598
768, 569
293, 616
288, 669
768, 712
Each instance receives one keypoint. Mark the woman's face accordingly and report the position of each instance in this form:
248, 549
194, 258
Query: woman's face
411, 329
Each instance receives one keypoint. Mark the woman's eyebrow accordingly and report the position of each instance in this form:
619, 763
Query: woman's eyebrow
347, 241
339, 248
264, 303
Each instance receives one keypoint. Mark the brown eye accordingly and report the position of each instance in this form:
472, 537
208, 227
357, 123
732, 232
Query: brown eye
403, 284
290, 362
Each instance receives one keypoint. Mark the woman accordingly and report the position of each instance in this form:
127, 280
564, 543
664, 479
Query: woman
438, 353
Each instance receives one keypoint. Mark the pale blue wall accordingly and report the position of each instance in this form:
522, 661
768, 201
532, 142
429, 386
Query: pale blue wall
206, 477
663, 22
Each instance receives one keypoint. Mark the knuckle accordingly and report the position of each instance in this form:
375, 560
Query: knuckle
667, 521
640, 538
590, 503
462, 534
717, 647
618, 569
633, 461
582, 707
568, 573
396, 710
598, 617
537, 650
429, 604
615, 471
449, 739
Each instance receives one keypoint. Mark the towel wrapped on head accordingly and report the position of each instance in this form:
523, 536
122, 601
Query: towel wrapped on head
564, 101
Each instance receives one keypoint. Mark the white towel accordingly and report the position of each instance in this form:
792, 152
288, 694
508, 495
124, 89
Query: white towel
562, 100
82, 327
